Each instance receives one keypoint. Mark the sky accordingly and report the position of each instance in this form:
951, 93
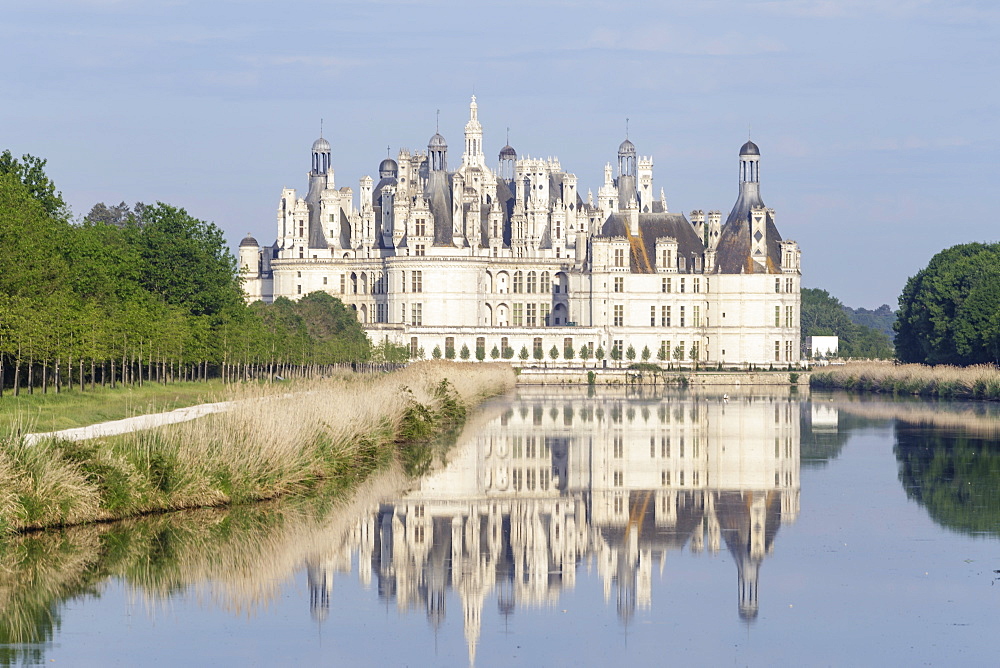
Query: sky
876, 119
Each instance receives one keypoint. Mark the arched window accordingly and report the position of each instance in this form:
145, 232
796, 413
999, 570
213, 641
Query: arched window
518, 282
531, 282
544, 285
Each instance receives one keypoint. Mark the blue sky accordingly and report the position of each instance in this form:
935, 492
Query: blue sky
876, 119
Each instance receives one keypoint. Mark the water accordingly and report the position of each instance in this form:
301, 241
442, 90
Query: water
567, 528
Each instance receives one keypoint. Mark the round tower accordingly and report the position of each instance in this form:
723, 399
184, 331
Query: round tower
505, 169
320, 156
437, 151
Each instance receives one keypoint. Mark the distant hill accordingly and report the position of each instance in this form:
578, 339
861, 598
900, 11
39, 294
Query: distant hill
880, 319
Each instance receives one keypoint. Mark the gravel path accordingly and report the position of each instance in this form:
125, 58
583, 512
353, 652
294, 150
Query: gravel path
127, 425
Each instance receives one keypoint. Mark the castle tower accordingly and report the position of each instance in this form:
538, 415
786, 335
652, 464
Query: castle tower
320, 177
437, 152
505, 168
750, 170
473, 155
626, 174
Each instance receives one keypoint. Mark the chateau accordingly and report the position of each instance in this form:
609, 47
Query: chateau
501, 260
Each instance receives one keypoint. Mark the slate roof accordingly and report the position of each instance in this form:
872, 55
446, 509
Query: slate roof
733, 250
653, 226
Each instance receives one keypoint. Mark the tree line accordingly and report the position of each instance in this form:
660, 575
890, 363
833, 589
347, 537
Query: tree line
140, 294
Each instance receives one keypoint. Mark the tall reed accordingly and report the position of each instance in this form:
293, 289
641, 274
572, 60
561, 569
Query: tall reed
276, 440
973, 382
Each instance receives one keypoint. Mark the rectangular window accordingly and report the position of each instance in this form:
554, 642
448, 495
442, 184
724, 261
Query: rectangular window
417, 315
504, 344
298, 289
402, 281
788, 316
518, 312
619, 257
619, 284
480, 347
414, 347
417, 281
680, 352
618, 444
696, 316
532, 312
682, 285
543, 314
777, 351
402, 311
420, 250
536, 346
420, 227
777, 316
449, 347
663, 285
696, 285
696, 351
652, 316
619, 345
788, 351
664, 347
619, 315
777, 285
324, 280
682, 316
343, 283
789, 285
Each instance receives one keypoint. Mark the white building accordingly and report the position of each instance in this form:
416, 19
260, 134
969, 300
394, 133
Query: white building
516, 257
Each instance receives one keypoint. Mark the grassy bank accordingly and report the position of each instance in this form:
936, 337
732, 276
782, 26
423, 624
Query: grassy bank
71, 408
277, 440
974, 382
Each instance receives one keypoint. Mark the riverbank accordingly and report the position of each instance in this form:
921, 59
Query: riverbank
974, 382
275, 440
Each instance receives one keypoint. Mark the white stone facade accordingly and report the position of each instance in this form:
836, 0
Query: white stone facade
516, 257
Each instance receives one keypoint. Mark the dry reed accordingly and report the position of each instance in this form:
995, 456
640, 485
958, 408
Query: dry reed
276, 440
973, 382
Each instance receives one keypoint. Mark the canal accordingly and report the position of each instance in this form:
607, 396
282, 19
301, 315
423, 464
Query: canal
567, 527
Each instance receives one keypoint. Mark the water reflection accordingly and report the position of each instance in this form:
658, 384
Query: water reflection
949, 458
561, 477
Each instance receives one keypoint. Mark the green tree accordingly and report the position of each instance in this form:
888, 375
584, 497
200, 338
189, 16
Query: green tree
599, 353
30, 171
949, 312
464, 353
495, 352
523, 354
554, 352
436, 353
630, 353
568, 352
536, 352
646, 354
585, 353
187, 261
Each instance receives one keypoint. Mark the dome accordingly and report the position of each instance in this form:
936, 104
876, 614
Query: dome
508, 152
437, 142
388, 169
321, 146
626, 148
749, 149
249, 241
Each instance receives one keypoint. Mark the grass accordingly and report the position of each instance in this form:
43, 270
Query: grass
277, 440
973, 382
72, 408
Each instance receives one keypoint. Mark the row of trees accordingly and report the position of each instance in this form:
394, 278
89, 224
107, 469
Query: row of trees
568, 353
143, 294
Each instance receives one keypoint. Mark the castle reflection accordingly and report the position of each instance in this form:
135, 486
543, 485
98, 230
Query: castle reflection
558, 477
